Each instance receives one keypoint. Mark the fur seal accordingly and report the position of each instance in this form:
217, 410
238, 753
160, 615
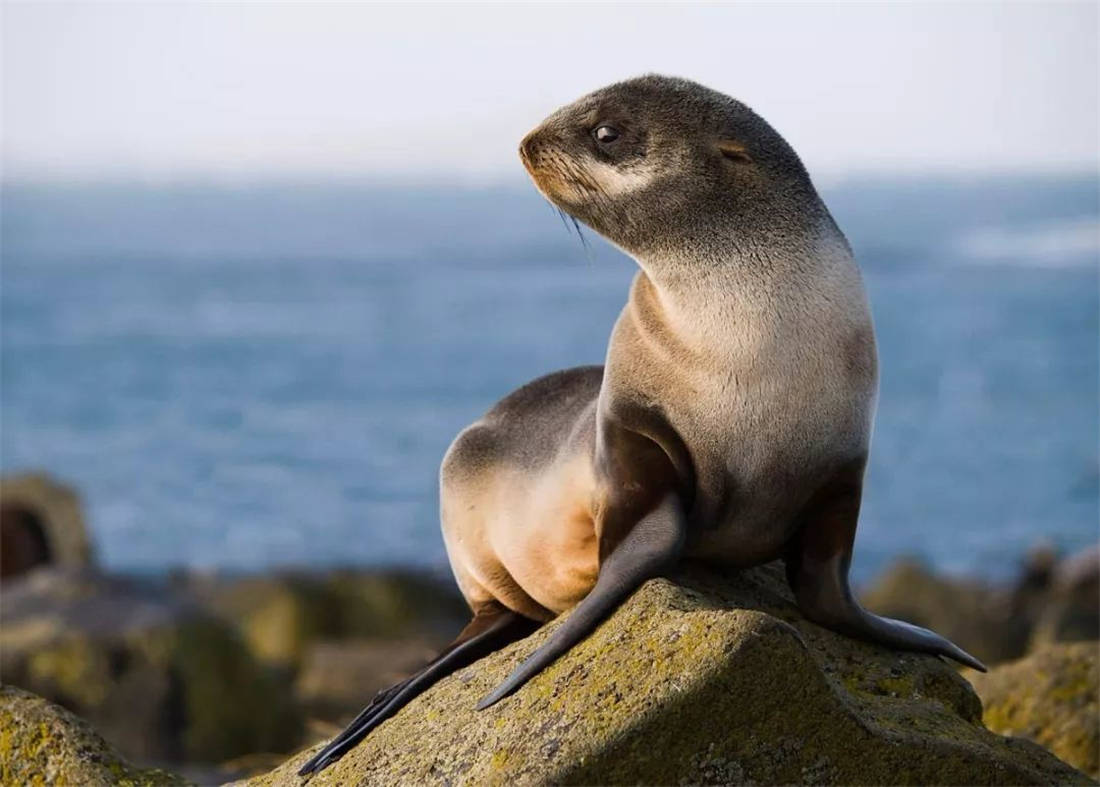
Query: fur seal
730, 422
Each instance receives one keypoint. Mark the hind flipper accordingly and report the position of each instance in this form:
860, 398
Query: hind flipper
492, 628
817, 568
650, 546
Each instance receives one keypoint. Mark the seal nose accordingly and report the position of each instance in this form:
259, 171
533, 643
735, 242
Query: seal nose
528, 147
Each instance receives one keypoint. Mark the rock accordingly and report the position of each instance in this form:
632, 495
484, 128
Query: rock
1072, 611
1050, 600
41, 743
160, 679
1049, 697
277, 615
988, 622
701, 680
281, 615
397, 604
239, 768
338, 677
40, 524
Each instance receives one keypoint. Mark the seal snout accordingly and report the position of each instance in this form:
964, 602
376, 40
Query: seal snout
537, 152
529, 149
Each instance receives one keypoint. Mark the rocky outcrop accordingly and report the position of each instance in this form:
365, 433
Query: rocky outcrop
1050, 600
162, 680
203, 668
43, 744
977, 617
40, 524
699, 680
1071, 612
338, 677
282, 616
1050, 697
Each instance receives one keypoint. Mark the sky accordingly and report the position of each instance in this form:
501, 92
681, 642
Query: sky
157, 90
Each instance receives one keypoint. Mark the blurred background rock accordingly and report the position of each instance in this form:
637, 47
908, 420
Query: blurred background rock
1052, 599
196, 669
41, 523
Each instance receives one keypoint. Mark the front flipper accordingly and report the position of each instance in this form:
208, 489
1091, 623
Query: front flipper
492, 628
817, 569
653, 544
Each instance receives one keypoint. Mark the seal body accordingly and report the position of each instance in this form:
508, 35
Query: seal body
771, 393
730, 422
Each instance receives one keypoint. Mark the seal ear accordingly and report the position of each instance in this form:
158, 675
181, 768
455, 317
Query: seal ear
733, 150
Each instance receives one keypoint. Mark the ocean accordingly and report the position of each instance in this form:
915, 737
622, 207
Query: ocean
250, 376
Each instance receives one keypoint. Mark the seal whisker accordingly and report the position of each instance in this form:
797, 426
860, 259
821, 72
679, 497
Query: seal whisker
584, 240
561, 215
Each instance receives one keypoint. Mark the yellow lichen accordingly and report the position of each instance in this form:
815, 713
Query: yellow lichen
38, 739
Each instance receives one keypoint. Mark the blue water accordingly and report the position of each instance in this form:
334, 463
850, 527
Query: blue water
256, 376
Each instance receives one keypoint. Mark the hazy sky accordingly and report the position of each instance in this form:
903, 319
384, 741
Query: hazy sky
241, 90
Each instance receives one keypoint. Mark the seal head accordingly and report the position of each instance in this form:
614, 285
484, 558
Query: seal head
656, 164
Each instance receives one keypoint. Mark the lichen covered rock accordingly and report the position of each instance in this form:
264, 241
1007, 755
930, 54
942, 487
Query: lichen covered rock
337, 676
1050, 697
160, 679
698, 680
41, 523
282, 615
1051, 599
984, 620
43, 744
1071, 612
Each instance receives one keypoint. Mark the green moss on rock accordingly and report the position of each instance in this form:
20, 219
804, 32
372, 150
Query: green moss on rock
231, 704
1050, 697
281, 616
162, 681
698, 680
43, 744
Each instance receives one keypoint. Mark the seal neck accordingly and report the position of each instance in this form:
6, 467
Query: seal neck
755, 237
736, 280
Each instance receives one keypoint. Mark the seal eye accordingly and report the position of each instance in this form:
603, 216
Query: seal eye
606, 134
